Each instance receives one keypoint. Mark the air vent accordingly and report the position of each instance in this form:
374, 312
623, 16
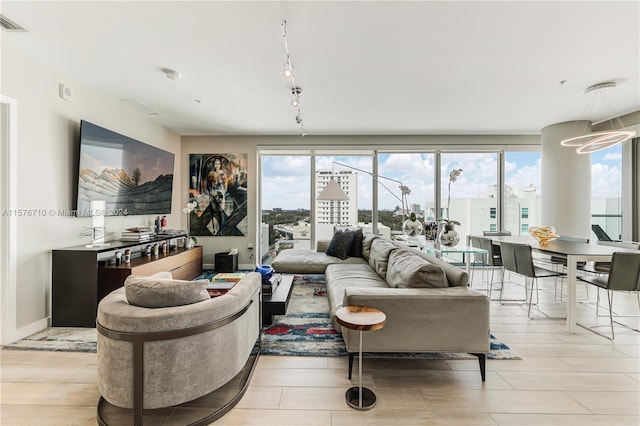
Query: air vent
141, 106
8, 25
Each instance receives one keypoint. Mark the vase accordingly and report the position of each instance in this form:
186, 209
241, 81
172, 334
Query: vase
448, 235
412, 228
188, 242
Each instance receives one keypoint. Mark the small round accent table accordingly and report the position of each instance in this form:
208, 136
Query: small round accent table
360, 318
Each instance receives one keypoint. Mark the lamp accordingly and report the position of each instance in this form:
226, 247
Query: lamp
288, 74
593, 142
332, 192
404, 190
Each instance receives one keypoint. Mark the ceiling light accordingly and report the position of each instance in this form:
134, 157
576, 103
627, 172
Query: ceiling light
295, 90
593, 142
171, 74
288, 69
295, 98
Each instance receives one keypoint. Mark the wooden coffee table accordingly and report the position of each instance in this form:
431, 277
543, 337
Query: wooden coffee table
360, 318
276, 303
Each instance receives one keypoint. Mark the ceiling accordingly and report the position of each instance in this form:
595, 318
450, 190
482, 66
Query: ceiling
365, 67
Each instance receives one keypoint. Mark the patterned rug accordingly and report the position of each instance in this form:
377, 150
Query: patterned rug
61, 339
307, 330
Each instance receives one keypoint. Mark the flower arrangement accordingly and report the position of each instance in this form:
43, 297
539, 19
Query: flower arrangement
188, 208
453, 176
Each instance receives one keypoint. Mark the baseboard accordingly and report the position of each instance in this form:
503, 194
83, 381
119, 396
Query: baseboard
30, 329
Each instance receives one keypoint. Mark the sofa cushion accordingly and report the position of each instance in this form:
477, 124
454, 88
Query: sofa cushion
356, 245
340, 244
366, 245
406, 270
379, 256
155, 292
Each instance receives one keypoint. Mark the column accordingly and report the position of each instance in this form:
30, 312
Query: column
566, 181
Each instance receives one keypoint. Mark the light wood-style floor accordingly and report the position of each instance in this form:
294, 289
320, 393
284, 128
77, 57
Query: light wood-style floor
563, 379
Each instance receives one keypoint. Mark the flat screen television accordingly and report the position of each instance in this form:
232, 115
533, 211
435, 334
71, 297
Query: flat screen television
131, 177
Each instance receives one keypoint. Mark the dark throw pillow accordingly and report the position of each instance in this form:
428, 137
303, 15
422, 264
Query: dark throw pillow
340, 244
356, 244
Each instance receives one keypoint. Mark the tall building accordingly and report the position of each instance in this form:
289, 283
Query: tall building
342, 213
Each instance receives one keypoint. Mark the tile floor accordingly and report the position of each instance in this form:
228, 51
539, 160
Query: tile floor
563, 379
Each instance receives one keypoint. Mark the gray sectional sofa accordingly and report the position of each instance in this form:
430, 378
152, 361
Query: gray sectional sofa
428, 305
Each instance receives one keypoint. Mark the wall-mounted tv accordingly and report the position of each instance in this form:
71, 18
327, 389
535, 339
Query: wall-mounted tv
132, 177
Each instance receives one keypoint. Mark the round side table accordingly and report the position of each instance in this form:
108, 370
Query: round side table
360, 318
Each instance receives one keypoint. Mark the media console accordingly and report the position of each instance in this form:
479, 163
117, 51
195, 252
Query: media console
82, 276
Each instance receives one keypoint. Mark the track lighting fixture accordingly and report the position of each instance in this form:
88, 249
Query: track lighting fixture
288, 73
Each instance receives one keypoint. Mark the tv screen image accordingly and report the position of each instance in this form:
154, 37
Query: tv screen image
132, 177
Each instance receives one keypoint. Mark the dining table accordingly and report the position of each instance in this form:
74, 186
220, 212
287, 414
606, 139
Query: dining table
574, 252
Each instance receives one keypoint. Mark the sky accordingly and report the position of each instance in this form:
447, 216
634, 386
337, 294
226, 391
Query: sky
286, 180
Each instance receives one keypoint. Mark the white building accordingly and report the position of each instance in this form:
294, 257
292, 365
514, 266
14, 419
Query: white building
336, 213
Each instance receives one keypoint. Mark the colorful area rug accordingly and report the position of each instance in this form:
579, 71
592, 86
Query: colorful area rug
307, 330
61, 339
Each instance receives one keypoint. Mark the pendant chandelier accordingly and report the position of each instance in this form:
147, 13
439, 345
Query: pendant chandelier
593, 142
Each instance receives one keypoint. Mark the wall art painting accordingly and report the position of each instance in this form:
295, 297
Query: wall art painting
218, 183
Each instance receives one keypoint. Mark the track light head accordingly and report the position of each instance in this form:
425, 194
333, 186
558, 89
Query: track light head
295, 97
288, 70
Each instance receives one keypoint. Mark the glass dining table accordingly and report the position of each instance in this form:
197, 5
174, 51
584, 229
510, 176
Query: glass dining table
575, 252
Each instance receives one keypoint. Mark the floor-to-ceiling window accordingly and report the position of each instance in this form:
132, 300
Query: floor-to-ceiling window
606, 191
469, 191
522, 195
285, 182
294, 217
414, 171
353, 174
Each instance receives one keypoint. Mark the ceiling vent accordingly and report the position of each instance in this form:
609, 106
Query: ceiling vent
8, 25
141, 106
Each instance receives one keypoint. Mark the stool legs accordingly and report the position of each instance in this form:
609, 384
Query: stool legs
359, 397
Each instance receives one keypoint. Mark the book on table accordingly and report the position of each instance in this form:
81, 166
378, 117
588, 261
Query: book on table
224, 277
219, 288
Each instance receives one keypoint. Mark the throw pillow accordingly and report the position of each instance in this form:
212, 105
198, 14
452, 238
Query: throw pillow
356, 245
340, 244
154, 292
406, 270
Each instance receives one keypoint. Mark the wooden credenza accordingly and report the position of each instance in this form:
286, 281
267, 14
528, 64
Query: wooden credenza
81, 277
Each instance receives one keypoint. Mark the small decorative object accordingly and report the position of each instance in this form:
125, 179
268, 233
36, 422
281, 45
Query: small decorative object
430, 231
448, 236
164, 247
190, 241
163, 224
543, 234
188, 208
127, 256
118, 258
412, 227
156, 227
156, 249
148, 250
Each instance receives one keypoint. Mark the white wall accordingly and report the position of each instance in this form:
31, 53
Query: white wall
47, 154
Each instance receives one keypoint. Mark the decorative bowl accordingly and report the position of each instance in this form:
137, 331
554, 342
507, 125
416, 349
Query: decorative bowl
543, 234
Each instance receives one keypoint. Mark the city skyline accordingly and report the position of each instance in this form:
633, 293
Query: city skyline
286, 179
